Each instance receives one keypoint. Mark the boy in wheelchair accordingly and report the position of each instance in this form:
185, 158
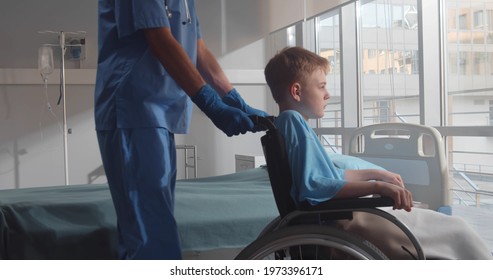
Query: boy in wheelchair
297, 80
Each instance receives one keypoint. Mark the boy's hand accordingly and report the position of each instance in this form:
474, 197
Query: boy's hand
403, 198
391, 177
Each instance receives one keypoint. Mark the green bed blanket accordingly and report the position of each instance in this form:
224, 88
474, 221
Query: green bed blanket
79, 222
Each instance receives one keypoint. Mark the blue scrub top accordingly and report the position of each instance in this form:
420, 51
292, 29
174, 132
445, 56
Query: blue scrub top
132, 87
315, 177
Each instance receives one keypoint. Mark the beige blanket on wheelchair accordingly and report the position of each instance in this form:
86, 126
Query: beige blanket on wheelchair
441, 236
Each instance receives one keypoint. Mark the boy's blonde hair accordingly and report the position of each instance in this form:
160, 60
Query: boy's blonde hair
292, 64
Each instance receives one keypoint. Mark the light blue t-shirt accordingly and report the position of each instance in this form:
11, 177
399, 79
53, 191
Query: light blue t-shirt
132, 87
315, 177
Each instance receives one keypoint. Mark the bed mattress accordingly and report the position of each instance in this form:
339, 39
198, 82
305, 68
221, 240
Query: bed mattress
79, 221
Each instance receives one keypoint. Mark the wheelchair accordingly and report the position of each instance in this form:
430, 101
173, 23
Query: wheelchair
309, 232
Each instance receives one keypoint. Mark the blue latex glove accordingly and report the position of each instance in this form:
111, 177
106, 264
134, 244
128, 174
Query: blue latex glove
230, 120
234, 99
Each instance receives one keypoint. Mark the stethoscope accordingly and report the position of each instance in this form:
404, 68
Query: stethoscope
187, 11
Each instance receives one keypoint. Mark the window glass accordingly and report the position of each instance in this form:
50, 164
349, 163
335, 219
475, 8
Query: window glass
469, 62
469, 95
329, 47
389, 71
390, 61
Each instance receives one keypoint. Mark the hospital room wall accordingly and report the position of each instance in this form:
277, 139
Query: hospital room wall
217, 151
31, 141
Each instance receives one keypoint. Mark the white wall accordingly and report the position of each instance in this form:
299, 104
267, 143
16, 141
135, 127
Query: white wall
31, 143
31, 146
216, 151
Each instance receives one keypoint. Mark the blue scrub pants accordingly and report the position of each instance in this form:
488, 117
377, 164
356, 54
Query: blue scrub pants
140, 166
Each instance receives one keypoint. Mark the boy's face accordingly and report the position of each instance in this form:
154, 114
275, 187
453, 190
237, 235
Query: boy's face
313, 96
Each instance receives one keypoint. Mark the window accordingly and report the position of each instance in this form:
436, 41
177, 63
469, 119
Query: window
478, 19
491, 112
463, 22
397, 17
463, 61
329, 47
410, 16
469, 94
489, 19
388, 88
479, 63
383, 107
392, 94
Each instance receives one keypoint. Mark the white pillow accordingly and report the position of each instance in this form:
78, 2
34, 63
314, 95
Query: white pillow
350, 162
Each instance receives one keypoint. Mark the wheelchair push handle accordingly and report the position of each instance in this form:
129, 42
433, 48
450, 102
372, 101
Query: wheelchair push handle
267, 122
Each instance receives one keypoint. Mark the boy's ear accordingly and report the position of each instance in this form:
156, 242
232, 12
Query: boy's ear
295, 91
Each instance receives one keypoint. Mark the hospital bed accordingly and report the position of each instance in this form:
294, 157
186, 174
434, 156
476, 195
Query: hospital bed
217, 216
416, 152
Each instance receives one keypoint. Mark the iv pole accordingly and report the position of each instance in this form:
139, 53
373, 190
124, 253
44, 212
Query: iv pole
64, 105
63, 46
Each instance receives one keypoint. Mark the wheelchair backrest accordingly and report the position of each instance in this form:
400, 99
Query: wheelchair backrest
277, 166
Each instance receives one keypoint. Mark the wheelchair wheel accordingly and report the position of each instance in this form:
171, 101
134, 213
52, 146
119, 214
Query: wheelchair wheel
310, 242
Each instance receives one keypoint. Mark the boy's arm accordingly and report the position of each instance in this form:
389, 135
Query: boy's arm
374, 174
402, 197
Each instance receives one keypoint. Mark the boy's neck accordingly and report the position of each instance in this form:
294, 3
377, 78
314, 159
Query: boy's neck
286, 108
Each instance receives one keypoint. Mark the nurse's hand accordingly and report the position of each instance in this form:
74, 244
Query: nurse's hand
230, 120
233, 98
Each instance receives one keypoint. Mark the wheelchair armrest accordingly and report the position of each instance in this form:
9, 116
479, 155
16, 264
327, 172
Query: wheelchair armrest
349, 203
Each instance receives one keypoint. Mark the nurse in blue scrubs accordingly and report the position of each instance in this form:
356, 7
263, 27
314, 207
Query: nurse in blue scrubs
152, 65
